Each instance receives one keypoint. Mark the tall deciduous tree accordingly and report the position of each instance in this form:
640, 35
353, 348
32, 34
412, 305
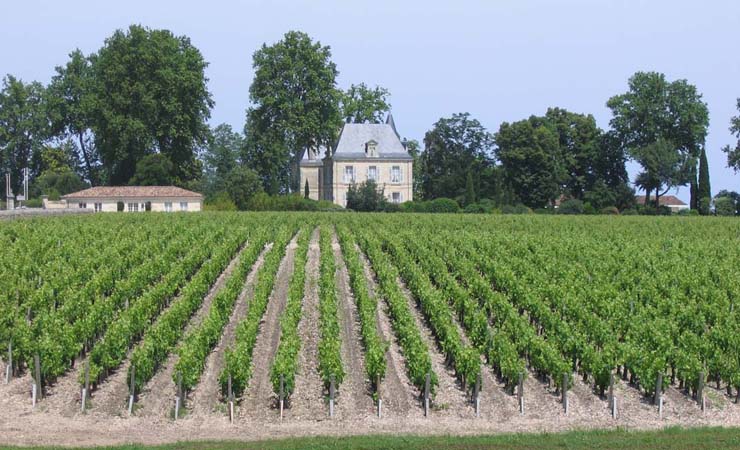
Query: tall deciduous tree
296, 106
529, 152
150, 96
71, 106
361, 104
220, 157
733, 154
23, 127
153, 170
664, 116
452, 148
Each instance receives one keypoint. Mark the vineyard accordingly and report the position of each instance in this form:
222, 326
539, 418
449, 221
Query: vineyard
157, 328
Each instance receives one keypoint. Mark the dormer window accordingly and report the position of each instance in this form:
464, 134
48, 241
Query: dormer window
371, 149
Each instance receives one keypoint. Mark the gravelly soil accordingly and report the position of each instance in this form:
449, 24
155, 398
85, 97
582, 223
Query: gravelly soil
354, 395
307, 401
157, 397
51, 422
400, 397
450, 400
258, 400
205, 397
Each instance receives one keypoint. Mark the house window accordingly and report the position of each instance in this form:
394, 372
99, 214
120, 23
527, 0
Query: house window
167, 206
396, 197
133, 207
98, 207
372, 173
183, 206
82, 205
396, 174
371, 149
349, 174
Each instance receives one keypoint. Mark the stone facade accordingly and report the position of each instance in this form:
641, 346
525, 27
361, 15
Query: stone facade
363, 151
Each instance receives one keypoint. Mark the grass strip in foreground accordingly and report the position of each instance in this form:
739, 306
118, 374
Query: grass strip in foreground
669, 438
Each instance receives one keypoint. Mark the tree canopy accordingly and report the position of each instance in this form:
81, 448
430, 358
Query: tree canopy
71, 106
220, 156
296, 106
361, 104
149, 95
733, 154
23, 126
452, 148
655, 118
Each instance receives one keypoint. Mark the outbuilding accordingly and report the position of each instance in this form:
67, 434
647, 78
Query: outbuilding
672, 202
135, 199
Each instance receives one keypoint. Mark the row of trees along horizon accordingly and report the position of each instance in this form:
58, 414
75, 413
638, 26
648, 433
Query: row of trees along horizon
136, 113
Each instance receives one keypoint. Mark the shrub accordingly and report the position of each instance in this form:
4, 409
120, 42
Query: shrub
474, 208
516, 209
688, 212
33, 203
220, 202
724, 206
610, 210
438, 205
705, 204
443, 205
571, 206
366, 196
543, 211
292, 202
629, 212
242, 184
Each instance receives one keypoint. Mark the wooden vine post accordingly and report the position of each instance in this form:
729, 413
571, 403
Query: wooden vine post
427, 382
132, 391
658, 397
612, 398
85, 388
231, 401
380, 399
476, 395
700, 392
564, 389
331, 395
36, 388
282, 395
179, 397
9, 369
520, 393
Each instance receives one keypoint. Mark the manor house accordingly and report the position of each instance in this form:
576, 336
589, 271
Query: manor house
363, 151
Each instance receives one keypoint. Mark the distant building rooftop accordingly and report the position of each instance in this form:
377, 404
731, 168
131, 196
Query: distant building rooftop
666, 200
133, 192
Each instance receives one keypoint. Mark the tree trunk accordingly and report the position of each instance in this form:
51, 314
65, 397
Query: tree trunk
88, 166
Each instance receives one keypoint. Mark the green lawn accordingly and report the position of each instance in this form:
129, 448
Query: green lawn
670, 438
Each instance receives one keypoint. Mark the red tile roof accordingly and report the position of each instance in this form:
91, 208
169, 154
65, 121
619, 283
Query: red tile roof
666, 200
133, 192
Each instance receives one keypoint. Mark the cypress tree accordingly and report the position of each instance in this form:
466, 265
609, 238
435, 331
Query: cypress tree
306, 190
694, 202
704, 190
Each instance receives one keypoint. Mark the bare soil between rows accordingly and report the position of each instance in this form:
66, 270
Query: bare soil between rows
53, 422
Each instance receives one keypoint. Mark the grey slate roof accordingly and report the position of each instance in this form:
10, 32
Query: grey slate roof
352, 139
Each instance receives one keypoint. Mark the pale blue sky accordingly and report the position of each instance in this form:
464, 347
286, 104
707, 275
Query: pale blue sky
499, 60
